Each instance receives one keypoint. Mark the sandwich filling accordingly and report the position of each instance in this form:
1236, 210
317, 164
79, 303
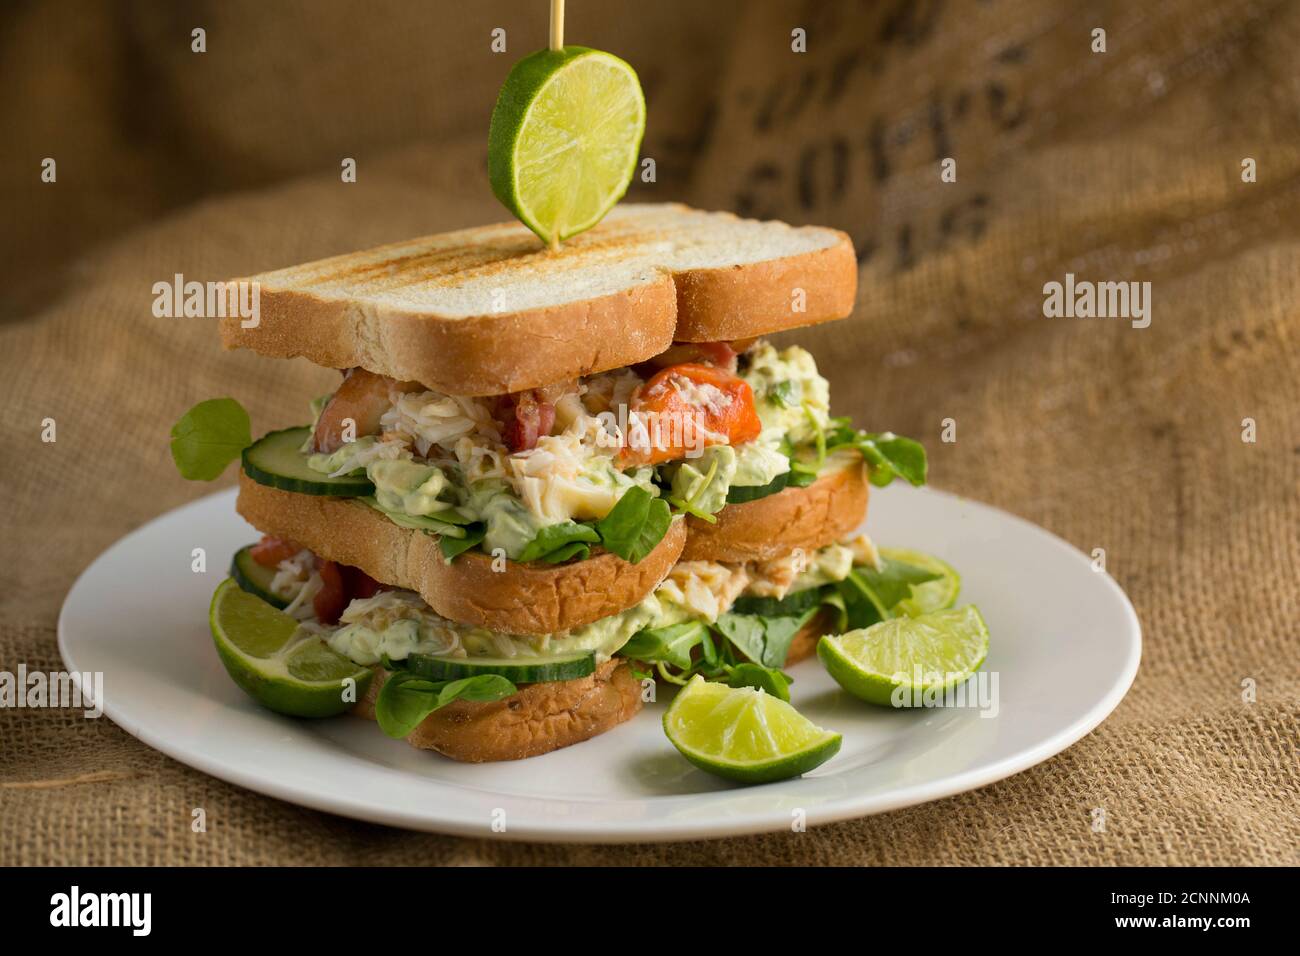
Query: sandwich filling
529, 474
370, 623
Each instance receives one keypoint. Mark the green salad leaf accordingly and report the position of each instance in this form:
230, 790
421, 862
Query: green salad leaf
893, 582
889, 456
446, 523
672, 644
769, 679
453, 547
635, 525
748, 645
555, 542
209, 437
764, 640
406, 699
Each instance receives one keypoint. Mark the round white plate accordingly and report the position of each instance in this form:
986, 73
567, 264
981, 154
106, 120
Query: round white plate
1065, 648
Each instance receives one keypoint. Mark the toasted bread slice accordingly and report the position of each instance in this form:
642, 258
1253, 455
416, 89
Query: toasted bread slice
538, 719
533, 598
486, 311
770, 527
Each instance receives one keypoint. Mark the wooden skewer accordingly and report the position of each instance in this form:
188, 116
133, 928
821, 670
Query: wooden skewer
557, 24
557, 44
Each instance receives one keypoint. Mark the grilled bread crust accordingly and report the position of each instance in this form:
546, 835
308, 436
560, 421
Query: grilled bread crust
487, 311
523, 598
807, 518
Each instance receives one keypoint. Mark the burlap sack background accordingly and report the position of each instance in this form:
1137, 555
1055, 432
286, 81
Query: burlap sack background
1117, 166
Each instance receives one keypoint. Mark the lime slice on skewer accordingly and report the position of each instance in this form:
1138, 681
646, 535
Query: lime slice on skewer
745, 734
937, 595
282, 667
564, 139
932, 652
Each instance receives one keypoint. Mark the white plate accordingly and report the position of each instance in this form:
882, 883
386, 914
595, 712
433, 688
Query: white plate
1065, 646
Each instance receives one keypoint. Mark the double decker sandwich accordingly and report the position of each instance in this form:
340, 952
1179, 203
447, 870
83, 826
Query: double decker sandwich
545, 478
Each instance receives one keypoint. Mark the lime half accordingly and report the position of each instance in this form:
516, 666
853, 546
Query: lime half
914, 655
937, 595
564, 139
283, 668
745, 734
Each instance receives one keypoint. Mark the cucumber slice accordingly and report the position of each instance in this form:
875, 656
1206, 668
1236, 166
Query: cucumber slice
792, 605
517, 670
277, 460
739, 494
255, 578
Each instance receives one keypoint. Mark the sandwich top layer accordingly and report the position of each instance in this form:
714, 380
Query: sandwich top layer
485, 311
537, 475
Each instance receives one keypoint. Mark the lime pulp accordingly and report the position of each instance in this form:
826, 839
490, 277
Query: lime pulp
282, 667
744, 734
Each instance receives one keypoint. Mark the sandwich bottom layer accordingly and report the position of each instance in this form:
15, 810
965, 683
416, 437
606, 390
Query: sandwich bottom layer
768, 613
545, 717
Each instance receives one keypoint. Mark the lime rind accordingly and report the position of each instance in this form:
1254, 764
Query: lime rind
744, 734
930, 654
282, 667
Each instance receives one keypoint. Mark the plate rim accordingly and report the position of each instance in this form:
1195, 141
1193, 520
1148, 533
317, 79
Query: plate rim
652, 830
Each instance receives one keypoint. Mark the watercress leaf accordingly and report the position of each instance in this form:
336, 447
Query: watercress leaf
769, 679
891, 456
574, 549
556, 536
482, 687
209, 437
778, 633
671, 645
454, 516
764, 640
745, 632
635, 525
452, 547
708, 650
644, 646
893, 582
862, 607
404, 701
432, 523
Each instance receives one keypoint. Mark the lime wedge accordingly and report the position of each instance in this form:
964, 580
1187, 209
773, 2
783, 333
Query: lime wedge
564, 139
283, 668
937, 595
932, 652
745, 734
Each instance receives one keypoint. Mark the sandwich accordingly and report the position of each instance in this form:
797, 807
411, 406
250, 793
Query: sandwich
546, 480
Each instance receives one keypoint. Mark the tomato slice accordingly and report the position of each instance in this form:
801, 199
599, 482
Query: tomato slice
331, 600
270, 551
689, 406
